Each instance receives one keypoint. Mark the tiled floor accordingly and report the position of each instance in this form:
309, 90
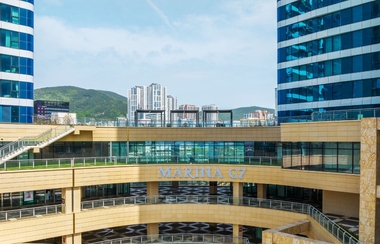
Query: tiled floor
167, 228
350, 223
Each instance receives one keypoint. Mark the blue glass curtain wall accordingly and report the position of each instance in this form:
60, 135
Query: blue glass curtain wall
16, 89
329, 113
340, 18
16, 15
327, 92
340, 66
16, 40
343, 157
29, 1
301, 7
17, 65
16, 114
344, 41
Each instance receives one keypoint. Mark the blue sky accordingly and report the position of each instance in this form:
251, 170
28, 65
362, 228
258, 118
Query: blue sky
219, 52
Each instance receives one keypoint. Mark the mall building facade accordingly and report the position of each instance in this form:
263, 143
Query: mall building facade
337, 159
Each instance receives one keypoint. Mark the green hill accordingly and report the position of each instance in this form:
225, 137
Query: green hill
86, 103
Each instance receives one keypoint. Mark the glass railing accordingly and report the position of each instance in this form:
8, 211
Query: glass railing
30, 212
33, 140
334, 115
88, 121
178, 238
52, 163
337, 231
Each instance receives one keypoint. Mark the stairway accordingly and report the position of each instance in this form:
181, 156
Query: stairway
24, 144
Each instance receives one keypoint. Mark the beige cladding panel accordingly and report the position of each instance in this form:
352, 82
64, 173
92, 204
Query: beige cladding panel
36, 228
12, 132
16, 181
341, 203
252, 174
158, 213
331, 131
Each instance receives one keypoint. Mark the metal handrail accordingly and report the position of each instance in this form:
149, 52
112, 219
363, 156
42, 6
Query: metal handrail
33, 140
108, 161
333, 228
30, 212
178, 238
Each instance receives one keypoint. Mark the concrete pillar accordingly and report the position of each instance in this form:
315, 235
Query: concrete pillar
152, 188
213, 188
72, 239
369, 211
261, 190
71, 198
237, 231
152, 229
237, 192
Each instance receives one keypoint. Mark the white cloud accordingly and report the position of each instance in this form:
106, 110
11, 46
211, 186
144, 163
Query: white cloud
160, 13
231, 53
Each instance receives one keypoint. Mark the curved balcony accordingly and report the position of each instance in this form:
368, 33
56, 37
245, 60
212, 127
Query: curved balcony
334, 229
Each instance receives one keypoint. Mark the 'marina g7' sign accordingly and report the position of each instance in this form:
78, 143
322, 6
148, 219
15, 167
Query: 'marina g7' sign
200, 173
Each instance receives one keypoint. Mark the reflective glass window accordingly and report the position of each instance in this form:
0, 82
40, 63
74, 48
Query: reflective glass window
330, 156
337, 91
316, 156
337, 46
357, 38
6, 113
346, 90
346, 65
357, 13
328, 45
376, 87
337, 66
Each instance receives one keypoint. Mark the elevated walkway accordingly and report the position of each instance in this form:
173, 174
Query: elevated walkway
24, 144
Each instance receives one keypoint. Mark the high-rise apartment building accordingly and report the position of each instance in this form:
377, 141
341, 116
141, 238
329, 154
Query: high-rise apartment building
211, 118
152, 97
16, 59
328, 57
137, 99
171, 104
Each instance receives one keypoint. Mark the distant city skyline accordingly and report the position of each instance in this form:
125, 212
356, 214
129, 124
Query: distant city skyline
214, 52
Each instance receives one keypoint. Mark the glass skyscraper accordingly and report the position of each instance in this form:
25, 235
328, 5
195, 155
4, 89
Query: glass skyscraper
16, 61
328, 57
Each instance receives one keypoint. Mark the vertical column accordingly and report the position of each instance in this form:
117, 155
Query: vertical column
369, 216
261, 190
152, 190
213, 188
71, 197
237, 230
